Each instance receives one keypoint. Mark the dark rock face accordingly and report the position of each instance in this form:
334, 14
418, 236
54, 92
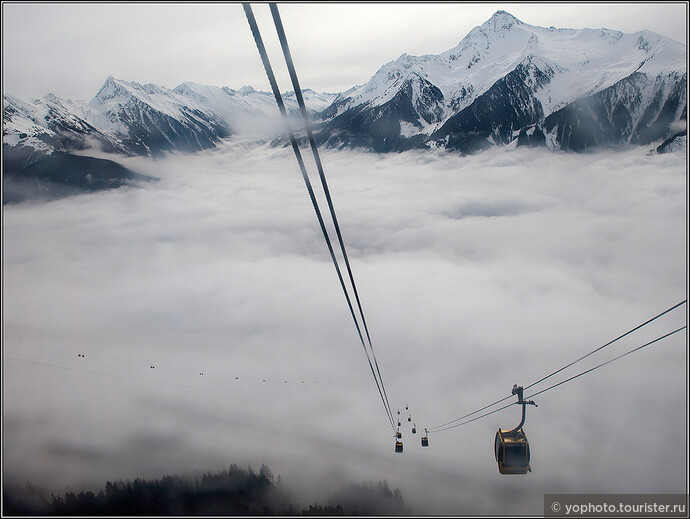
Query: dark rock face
62, 174
637, 110
676, 141
150, 132
609, 118
669, 98
508, 106
581, 125
531, 138
379, 127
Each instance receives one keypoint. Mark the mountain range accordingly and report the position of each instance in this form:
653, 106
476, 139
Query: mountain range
507, 83
510, 82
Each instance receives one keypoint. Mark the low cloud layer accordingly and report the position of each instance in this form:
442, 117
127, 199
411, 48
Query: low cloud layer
475, 273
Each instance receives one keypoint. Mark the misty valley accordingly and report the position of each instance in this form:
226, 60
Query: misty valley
196, 322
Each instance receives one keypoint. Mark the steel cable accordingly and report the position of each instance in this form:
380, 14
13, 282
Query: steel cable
281, 106
317, 159
439, 427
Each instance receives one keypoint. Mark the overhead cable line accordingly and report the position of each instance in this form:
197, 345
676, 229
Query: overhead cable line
561, 369
281, 106
160, 382
83, 353
607, 344
438, 429
317, 159
608, 361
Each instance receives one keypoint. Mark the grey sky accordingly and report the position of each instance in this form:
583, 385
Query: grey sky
69, 49
475, 273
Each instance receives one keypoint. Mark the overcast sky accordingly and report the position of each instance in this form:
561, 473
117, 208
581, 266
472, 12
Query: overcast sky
69, 49
475, 273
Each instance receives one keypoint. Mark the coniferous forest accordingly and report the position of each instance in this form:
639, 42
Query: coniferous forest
235, 491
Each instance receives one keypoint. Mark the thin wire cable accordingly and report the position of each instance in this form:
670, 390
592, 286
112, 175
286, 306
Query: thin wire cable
564, 367
305, 115
607, 344
158, 365
281, 106
608, 361
438, 428
158, 382
564, 381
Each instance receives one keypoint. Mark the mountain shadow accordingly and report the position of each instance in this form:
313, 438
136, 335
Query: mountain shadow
62, 174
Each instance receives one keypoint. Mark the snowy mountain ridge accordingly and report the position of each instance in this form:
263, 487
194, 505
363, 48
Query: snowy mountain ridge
131, 118
577, 63
506, 82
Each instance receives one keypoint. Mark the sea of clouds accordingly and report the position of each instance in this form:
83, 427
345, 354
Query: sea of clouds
475, 273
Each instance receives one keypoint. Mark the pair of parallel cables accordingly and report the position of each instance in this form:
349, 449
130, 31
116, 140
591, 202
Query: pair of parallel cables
465, 418
295, 146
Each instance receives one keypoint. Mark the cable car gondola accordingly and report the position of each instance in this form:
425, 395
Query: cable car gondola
414, 429
425, 439
398, 446
512, 452
511, 447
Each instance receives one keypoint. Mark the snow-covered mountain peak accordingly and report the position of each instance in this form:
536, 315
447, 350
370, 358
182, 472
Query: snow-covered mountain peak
116, 94
487, 52
501, 25
117, 88
500, 22
540, 69
110, 89
661, 54
51, 98
193, 91
610, 36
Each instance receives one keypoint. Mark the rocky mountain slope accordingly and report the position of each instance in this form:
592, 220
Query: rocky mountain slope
507, 80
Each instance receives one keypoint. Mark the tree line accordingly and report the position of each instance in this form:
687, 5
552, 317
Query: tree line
235, 491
